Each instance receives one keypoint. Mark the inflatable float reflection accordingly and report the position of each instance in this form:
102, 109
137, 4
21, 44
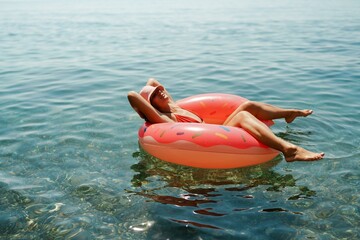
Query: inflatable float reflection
200, 186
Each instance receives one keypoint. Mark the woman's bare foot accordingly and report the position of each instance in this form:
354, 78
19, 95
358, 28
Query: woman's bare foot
298, 113
300, 154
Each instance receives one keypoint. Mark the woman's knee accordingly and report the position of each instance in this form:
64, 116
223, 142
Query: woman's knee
243, 116
251, 107
248, 105
237, 119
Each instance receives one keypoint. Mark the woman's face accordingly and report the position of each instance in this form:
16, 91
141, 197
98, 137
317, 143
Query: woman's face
159, 99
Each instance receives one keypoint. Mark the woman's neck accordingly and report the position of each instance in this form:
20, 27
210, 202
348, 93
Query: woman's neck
170, 107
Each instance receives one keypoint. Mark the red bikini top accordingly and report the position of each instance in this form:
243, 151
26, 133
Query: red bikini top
181, 118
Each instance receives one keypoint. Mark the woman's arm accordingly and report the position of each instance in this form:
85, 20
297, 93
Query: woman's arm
145, 110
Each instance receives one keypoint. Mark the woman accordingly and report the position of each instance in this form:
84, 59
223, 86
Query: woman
156, 105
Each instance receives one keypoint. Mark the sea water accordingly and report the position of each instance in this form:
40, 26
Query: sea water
70, 164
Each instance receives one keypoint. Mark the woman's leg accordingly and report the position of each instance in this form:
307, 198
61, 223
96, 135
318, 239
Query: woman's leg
265, 111
262, 133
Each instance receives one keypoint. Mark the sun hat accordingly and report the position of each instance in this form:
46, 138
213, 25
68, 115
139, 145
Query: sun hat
147, 91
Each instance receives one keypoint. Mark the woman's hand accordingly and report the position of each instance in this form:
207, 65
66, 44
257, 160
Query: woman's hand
153, 82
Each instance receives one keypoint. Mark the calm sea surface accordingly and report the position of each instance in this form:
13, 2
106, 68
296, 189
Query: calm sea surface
70, 164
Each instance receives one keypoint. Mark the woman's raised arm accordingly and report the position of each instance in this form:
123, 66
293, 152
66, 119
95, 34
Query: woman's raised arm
146, 110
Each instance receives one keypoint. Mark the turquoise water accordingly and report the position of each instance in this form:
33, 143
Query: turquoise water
70, 165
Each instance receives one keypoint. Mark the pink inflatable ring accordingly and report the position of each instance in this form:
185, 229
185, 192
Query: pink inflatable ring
209, 145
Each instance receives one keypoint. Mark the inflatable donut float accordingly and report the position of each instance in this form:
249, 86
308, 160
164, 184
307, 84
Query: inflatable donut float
205, 145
